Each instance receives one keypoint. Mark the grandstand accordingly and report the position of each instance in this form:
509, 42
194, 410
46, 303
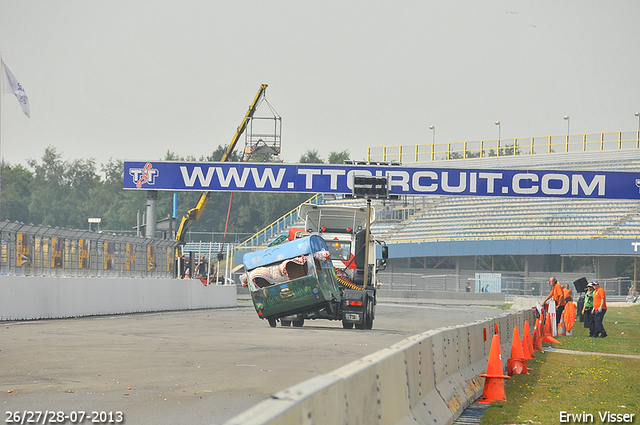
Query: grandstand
451, 218
454, 238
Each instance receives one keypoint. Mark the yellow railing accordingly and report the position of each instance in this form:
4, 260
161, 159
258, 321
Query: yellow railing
260, 238
592, 142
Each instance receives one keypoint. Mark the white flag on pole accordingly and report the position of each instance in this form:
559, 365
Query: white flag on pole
11, 85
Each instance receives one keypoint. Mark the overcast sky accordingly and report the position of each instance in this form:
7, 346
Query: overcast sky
133, 79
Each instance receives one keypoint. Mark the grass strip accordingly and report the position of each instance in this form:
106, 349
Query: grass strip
588, 386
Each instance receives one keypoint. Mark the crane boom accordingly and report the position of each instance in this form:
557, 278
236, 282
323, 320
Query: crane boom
194, 213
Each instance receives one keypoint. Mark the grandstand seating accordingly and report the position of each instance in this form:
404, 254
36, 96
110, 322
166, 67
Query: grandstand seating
445, 218
439, 225
205, 248
507, 218
441, 218
458, 217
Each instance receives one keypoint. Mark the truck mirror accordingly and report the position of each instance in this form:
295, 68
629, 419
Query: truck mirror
385, 252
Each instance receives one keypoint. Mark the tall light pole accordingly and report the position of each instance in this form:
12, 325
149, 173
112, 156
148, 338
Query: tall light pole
566, 117
637, 145
499, 128
433, 129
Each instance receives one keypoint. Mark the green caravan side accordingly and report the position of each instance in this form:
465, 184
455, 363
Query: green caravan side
296, 277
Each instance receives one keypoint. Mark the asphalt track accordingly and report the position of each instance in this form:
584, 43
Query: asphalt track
196, 367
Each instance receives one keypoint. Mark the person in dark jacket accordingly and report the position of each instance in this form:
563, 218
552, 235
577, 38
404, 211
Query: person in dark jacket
588, 306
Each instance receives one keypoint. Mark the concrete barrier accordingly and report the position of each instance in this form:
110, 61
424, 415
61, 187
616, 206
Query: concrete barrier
427, 378
30, 297
470, 298
524, 303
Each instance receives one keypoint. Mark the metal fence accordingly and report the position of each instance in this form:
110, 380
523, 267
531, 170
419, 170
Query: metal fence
29, 250
511, 285
420, 282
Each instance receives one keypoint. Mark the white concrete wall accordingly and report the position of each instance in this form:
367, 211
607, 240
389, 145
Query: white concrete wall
425, 379
454, 297
30, 297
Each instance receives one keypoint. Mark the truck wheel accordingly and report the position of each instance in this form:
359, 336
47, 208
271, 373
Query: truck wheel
368, 319
298, 323
347, 325
272, 322
369, 323
285, 322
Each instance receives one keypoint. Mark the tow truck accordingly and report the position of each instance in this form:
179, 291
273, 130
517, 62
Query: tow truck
320, 273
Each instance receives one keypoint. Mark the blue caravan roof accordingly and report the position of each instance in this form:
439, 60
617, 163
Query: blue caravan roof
274, 254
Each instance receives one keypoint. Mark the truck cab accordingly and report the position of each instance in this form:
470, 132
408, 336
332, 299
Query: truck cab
344, 230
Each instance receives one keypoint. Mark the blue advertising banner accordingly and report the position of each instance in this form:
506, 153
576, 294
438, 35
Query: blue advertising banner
321, 178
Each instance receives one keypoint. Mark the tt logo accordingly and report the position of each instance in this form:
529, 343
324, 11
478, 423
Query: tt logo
144, 175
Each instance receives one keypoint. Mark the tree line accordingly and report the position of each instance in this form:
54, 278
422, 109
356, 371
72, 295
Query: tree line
65, 193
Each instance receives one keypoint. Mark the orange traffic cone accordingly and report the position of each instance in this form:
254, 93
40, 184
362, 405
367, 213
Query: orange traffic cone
547, 332
537, 338
516, 365
547, 325
527, 343
494, 382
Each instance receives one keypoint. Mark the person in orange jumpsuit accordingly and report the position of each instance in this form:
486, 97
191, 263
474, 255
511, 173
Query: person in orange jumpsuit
568, 294
599, 310
557, 293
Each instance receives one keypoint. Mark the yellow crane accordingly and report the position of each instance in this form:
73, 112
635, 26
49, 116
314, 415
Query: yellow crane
194, 213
